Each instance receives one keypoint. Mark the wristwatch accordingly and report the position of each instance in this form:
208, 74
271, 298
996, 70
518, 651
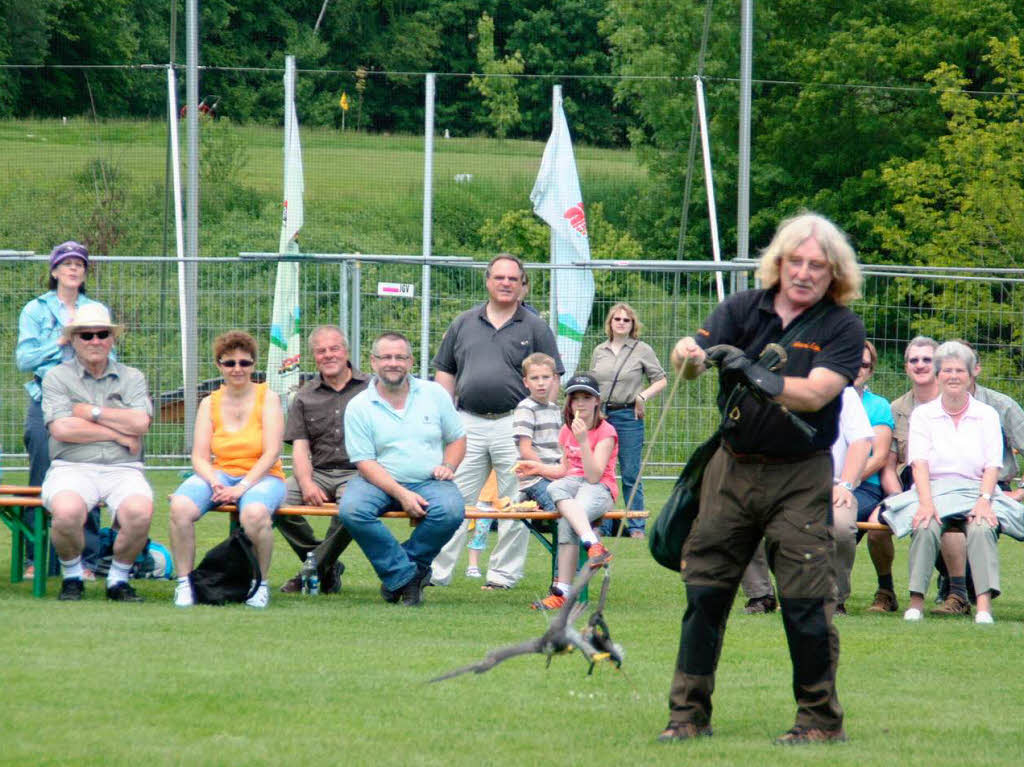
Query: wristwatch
986, 497
95, 413
844, 483
450, 467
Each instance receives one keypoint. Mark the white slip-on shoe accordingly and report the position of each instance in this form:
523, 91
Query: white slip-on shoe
261, 598
913, 614
183, 596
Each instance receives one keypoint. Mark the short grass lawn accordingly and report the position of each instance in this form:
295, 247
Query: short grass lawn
344, 678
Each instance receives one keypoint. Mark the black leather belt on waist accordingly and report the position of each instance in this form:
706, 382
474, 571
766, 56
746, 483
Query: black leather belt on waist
771, 459
617, 407
489, 416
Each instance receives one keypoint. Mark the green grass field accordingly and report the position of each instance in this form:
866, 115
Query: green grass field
344, 677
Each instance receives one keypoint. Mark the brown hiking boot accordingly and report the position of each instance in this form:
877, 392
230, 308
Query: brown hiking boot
677, 731
954, 605
800, 736
885, 602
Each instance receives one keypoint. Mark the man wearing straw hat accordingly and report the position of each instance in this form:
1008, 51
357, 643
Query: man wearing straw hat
97, 411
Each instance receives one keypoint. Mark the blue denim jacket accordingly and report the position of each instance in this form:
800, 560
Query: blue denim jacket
39, 327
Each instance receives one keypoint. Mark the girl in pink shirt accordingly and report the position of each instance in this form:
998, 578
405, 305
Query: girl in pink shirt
584, 487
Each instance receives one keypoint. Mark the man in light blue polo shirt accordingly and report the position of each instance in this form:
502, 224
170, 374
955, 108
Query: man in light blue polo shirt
406, 440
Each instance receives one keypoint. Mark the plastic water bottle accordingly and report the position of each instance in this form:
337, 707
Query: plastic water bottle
310, 576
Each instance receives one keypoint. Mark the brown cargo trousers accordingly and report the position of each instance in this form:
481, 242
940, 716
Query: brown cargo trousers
745, 498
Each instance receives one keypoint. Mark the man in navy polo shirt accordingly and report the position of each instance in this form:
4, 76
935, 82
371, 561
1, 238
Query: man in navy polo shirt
480, 364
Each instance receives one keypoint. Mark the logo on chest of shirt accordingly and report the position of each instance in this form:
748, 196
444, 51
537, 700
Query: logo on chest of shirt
809, 345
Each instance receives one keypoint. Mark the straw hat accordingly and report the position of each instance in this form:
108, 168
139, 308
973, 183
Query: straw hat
94, 315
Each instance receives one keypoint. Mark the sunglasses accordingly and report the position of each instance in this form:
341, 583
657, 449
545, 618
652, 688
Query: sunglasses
88, 335
921, 360
234, 363
622, 319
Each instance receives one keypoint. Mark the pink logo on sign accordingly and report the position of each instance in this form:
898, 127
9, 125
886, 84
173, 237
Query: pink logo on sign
577, 219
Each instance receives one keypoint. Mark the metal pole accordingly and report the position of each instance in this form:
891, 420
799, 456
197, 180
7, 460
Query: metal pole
357, 324
709, 184
343, 313
189, 338
556, 102
428, 207
743, 171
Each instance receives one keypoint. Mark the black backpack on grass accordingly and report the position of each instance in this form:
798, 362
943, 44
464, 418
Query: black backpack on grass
228, 573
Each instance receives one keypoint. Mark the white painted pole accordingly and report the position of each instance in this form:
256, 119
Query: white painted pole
428, 212
556, 102
709, 184
179, 234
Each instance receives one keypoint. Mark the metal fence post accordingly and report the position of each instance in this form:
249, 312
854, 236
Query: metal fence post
357, 329
343, 313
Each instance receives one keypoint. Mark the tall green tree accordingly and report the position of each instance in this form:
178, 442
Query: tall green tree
962, 202
816, 142
499, 91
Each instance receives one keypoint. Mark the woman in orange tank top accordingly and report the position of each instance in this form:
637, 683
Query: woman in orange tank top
236, 457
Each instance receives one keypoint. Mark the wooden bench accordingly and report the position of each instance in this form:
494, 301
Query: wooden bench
472, 512
14, 499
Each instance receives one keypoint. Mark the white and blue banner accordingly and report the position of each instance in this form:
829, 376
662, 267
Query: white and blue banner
284, 356
557, 199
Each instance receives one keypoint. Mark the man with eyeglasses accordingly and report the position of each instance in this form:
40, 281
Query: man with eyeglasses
406, 440
97, 411
479, 363
320, 466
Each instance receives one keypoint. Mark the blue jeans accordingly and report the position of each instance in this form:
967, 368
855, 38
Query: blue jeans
37, 445
631, 450
397, 564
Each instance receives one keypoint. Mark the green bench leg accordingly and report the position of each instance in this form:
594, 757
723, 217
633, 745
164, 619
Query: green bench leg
17, 546
42, 550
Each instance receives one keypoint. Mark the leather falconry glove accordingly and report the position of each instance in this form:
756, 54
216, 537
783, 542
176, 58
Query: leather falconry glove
735, 365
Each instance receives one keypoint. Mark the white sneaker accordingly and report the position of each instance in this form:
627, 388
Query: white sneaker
473, 572
984, 617
913, 614
183, 596
261, 598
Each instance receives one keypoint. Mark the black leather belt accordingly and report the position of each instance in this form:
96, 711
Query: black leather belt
490, 416
617, 407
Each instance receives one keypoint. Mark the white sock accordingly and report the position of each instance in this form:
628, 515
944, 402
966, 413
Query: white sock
563, 587
119, 573
588, 538
183, 579
72, 568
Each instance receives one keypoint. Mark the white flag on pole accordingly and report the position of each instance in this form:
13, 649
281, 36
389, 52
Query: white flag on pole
557, 199
283, 358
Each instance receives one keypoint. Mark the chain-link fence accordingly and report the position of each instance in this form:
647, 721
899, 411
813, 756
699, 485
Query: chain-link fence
671, 298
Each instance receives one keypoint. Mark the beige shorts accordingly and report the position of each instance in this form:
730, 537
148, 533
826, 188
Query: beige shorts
93, 482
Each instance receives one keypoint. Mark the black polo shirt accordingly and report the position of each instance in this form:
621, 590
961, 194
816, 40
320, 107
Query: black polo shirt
749, 322
317, 414
487, 362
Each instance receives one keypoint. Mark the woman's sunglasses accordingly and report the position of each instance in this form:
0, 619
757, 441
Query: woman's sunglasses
233, 363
